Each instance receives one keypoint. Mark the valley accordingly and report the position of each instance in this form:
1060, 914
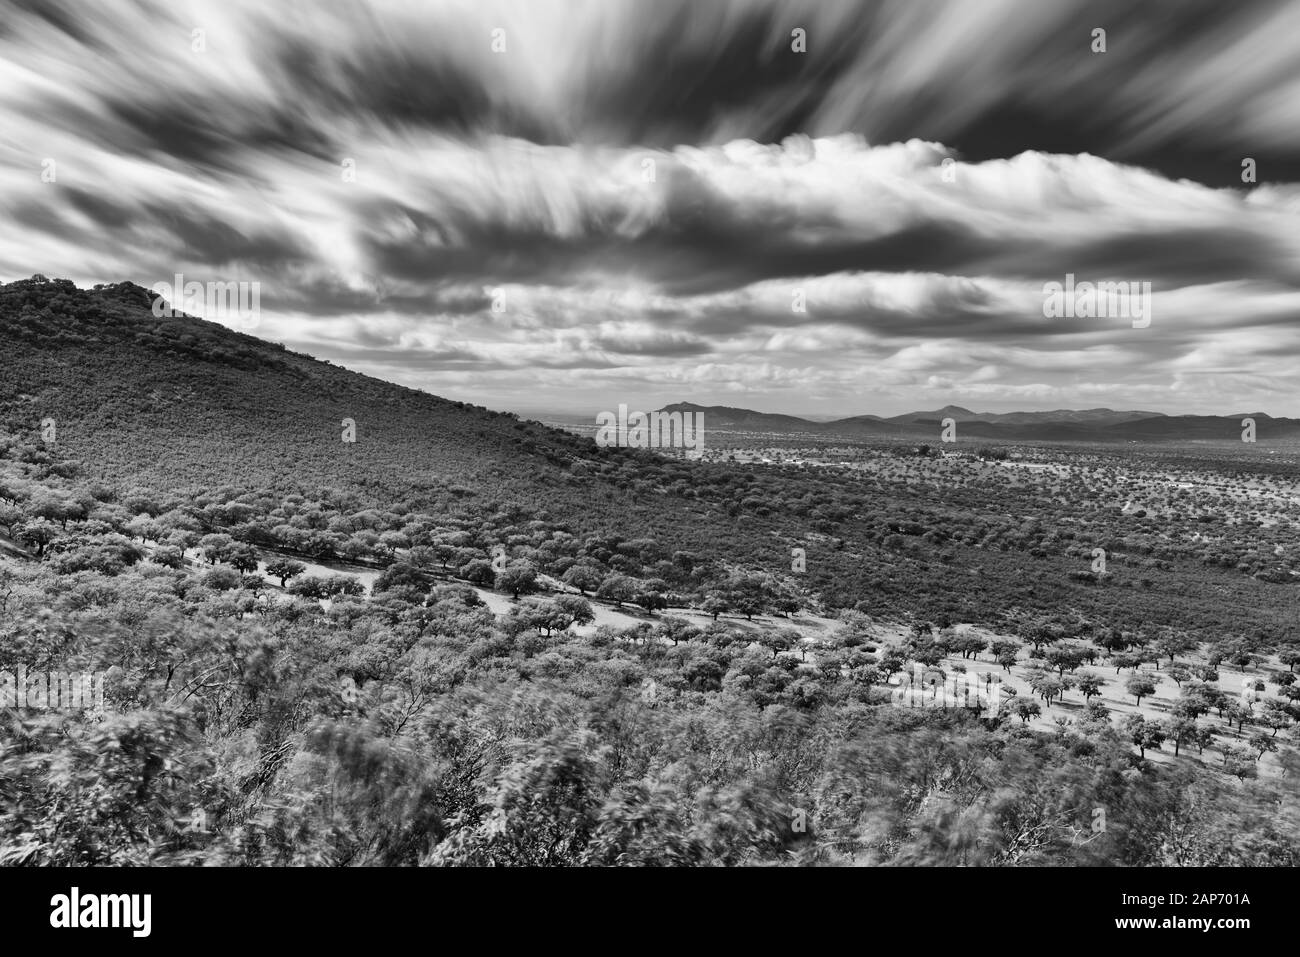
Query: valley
459, 601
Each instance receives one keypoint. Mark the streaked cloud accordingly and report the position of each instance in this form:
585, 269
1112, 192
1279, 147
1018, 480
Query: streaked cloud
665, 201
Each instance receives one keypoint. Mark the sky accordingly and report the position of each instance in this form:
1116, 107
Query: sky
824, 208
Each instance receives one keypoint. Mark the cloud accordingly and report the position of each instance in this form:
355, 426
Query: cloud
505, 199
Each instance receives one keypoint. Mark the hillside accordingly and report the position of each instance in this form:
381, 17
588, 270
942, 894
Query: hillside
189, 407
186, 403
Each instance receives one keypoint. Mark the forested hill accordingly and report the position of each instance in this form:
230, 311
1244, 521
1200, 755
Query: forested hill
186, 404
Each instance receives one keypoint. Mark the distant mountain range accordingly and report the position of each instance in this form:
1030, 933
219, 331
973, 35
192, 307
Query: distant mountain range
1061, 425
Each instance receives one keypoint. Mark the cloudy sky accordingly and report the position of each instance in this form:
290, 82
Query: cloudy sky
563, 206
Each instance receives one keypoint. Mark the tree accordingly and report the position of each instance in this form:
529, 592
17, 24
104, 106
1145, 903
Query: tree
339, 585
1095, 719
517, 578
1203, 738
749, 593
1235, 651
1090, 687
830, 664
1063, 658
785, 603
1046, 687
332, 586
284, 569
242, 557
1147, 652
577, 610
168, 556
139, 501
618, 589
216, 547
585, 578
221, 579
927, 652
715, 605
545, 808
184, 539
1277, 715
783, 639
1112, 640
1238, 763
421, 556
1001, 647
891, 662
1125, 660
1181, 730
1172, 643
401, 575
1145, 734
393, 540
7, 582
1140, 686
1207, 673
676, 629
848, 637
37, 534
1262, 743
1237, 713
478, 572
1216, 699
1067, 682
308, 586
56, 508
10, 516
1191, 705
1025, 709
1040, 633
1006, 654
530, 613
144, 528
652, 601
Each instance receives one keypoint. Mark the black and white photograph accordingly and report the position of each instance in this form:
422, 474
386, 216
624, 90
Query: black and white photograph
559, 435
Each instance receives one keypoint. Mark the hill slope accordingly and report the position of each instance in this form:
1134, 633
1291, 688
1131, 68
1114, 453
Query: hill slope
182, 403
